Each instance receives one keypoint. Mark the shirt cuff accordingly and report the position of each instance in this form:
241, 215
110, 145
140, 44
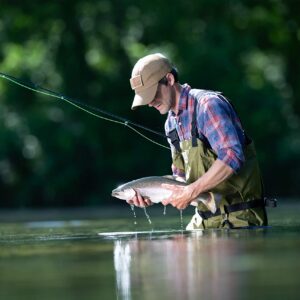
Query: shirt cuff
230, 158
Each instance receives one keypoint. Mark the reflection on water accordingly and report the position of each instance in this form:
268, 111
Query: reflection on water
113, 258
122, 259
183, 266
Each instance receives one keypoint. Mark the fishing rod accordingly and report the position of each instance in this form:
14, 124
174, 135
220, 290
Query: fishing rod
94, 111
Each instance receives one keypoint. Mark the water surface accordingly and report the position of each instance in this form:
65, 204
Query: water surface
102, 254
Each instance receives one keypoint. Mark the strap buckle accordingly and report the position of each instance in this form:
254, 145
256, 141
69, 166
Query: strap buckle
270, 202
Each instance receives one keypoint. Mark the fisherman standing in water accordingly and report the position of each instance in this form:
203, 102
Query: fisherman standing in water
210, 150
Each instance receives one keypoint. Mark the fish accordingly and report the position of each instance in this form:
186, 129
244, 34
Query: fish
151, 188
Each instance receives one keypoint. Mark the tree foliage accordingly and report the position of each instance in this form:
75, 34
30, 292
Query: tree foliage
52, 154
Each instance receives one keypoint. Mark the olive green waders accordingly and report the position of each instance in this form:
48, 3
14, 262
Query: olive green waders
242, 202
245, 187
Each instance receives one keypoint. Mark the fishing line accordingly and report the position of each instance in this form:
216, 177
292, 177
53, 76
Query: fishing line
87, 108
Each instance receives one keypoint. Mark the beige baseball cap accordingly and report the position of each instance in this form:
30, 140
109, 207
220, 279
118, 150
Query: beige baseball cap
146, 74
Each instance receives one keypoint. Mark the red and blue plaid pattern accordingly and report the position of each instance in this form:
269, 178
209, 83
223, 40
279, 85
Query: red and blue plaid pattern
217, 123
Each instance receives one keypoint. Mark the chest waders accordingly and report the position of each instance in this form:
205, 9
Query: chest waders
242, 203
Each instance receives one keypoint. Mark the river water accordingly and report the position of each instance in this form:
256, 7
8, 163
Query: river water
103, 254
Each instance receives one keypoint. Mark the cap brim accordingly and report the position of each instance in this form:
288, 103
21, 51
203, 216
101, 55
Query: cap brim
144, 97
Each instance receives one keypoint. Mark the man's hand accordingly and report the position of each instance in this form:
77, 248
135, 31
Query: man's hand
139, 201
181, 196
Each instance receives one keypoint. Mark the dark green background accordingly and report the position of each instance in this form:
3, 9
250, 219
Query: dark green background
52, 154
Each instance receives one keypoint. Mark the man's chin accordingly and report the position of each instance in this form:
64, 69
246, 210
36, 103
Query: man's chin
163, 111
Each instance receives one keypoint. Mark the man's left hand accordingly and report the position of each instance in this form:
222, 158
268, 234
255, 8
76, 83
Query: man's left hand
181, 196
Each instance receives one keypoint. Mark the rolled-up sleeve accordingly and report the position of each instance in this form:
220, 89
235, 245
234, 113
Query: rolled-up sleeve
222, 129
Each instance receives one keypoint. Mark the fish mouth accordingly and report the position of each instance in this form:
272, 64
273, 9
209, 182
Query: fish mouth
115, 193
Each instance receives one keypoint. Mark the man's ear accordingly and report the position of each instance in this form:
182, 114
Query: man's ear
170, 78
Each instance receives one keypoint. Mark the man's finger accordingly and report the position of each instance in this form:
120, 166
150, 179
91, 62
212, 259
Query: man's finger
140, 200
148, 201
181, 207
166, 201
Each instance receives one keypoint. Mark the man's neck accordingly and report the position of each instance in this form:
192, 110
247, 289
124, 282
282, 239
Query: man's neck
177, 91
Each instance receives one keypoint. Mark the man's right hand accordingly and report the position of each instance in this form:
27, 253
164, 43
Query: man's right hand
139, 201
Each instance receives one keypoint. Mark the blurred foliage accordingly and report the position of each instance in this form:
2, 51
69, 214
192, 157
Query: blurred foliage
52, 154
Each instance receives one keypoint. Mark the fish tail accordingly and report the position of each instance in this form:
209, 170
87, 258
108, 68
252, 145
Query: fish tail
209, 199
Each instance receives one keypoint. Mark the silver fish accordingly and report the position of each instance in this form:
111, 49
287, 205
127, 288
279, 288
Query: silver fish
151, 188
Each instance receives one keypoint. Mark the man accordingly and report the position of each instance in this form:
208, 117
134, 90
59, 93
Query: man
210, 150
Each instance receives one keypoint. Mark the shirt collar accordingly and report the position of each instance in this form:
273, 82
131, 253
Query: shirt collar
183, 99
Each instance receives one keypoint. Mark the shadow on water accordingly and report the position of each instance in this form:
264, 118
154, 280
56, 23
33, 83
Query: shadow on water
104, 257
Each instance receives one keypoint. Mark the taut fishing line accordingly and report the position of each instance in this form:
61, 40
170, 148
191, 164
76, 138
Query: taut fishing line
94, 111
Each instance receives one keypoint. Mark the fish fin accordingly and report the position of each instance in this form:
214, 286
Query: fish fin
210, 200
169, 176
177, 178
180, 179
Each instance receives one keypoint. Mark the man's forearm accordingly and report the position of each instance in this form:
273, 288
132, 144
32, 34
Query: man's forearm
217, 173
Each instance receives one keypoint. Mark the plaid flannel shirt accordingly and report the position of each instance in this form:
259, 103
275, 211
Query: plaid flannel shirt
217, 123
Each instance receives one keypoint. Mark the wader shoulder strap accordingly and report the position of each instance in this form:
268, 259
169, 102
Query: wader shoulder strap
198, 94
194, 132
173, 136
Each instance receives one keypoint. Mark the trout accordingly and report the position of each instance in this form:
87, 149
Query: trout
151, 188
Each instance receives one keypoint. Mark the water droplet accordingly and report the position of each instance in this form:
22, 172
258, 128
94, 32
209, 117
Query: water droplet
181, 220
165, 210
134, 214
147, 216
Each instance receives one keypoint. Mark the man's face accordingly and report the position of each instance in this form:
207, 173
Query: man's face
164, 99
